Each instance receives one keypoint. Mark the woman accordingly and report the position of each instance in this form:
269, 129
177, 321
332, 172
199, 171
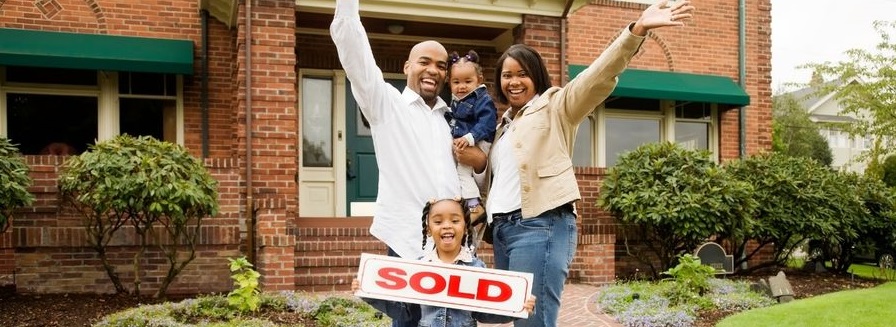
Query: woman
533, 187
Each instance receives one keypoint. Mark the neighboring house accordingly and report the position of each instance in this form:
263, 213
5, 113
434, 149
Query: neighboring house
296, 189
825, 110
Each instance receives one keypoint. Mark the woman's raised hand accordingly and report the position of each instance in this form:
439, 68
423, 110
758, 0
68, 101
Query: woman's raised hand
663, 14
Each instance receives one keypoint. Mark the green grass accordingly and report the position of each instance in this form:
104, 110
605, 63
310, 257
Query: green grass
872, 272
860, 308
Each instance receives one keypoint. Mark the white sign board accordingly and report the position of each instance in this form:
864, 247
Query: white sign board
438, 284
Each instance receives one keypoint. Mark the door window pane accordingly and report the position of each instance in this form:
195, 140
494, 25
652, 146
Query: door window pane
582, 149
692, 135
51, 124
317, 122
626, 134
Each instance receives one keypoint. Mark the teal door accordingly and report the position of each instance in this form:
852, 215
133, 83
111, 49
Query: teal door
362, 174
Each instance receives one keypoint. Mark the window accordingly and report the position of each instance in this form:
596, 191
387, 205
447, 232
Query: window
836, 138
317, 122
621, 125
583, 152
63, 111
692, 125
625, 134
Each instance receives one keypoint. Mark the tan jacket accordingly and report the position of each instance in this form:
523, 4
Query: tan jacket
545, 130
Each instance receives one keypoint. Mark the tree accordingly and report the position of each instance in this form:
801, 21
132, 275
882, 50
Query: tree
888, 171
14, 182
155, 187
670, 200
794, 134
873, 100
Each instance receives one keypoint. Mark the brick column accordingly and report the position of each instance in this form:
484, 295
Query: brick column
274, 135
543, 34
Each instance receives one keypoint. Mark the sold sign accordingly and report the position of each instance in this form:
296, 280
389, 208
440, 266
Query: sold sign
438, 284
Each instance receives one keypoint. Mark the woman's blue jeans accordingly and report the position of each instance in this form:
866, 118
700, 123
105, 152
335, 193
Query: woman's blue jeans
544, 246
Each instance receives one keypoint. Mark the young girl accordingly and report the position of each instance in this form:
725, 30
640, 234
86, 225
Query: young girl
472, 119
447, 223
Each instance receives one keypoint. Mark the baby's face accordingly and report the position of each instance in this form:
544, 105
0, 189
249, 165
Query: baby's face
446, 225
464, 79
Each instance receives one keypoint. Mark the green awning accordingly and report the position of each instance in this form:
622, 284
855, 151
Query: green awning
95, 51
649, 84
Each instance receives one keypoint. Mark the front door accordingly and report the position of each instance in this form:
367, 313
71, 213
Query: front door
362, 174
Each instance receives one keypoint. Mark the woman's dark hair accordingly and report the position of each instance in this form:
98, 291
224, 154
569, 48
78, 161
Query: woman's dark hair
531, 61
468, 228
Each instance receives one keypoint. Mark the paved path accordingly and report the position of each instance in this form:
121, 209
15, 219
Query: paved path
577, 309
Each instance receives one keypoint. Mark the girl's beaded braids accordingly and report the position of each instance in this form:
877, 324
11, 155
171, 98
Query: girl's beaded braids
471, 57
468, 228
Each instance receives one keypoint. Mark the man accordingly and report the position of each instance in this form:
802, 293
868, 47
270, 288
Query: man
412, 139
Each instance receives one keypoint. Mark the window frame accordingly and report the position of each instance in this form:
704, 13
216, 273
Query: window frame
666, 117
106, 92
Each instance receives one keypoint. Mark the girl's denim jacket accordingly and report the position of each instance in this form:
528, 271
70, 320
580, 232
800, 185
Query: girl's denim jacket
431, 316
475, 114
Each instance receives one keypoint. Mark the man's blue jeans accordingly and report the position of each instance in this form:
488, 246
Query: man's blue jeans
413, 309
544, 246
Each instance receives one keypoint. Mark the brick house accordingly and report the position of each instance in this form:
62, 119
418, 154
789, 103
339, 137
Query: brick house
178, 70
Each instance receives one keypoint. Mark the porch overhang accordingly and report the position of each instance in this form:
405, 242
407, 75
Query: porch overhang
486, 13
648, 84
95, 51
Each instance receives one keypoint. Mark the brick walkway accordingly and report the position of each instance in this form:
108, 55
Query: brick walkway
577, 309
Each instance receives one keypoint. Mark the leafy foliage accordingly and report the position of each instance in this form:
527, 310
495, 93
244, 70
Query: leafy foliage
647, 304
214, 310
794, 134
691, 273
869, 224
798, 203
671, 199
888, 171
147, 184
14, 182
245, 296
864, 89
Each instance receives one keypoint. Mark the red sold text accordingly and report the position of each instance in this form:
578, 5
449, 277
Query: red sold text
397, 279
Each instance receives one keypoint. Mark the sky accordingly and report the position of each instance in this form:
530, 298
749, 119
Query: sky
816, 31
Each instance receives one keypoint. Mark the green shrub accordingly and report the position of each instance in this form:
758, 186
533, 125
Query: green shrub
156, 187
670, 199
245, 296
14, 182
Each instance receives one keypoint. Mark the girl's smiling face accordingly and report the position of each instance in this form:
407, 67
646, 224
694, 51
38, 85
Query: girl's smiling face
446, 225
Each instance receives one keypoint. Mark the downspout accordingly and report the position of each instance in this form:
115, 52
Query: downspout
564, 74
250, 203
742, 111
203, 93
742, 76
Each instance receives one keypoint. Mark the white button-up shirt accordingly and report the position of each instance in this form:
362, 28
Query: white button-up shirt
412, 141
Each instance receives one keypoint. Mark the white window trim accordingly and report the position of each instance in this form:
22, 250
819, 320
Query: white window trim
666, 118
106, 92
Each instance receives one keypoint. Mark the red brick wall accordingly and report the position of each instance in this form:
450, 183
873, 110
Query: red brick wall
708, 44
50, 251
274, 133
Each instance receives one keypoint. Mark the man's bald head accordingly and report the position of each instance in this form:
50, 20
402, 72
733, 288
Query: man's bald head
427, 67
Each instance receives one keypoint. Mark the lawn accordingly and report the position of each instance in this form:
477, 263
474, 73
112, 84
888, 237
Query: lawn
865, 307
874, 272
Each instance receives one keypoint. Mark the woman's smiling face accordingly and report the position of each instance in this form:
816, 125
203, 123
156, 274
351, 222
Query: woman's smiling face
516, 84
